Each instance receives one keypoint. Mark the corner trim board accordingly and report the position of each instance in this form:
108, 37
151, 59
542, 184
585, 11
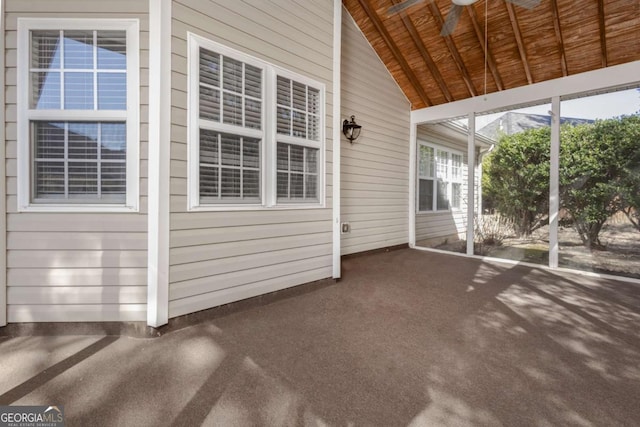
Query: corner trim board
3, 190
413, 178
337, 45
159, 162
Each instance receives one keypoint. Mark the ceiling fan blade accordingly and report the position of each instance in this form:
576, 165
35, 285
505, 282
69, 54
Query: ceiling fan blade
403, 5
527, 4
452, 20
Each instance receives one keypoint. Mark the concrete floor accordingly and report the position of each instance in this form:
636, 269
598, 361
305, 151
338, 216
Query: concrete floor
406, 338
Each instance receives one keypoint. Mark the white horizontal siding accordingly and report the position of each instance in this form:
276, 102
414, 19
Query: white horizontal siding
85, 312
220, 257
247, 247
67, 266
203, 220
76, 223
63, 295
444, 137
432, 225
247, 290
197, 270
375, 168
78, 277
87, 241
71, 7
231, 234
233, 279
76, 259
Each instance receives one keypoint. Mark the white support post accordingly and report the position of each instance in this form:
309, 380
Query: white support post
479, 187
337, 52
471, 168
159, 161
413, 177
3, 173
554, 177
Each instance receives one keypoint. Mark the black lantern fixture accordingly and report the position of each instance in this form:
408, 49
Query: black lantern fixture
351, 129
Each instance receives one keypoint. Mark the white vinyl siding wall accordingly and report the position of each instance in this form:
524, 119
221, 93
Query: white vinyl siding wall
219, 257
448, 223
74, 266
375, 168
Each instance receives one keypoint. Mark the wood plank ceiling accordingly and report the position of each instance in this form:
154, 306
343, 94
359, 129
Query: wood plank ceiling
524, 46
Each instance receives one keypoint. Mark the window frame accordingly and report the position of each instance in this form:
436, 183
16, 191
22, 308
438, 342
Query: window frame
25, 115
450, 179
267, 134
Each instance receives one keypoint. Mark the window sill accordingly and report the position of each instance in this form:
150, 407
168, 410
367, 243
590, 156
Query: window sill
53, 208
235, 208
448, 211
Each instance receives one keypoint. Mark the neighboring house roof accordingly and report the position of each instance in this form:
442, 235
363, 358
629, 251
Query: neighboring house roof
463, 131
512, 122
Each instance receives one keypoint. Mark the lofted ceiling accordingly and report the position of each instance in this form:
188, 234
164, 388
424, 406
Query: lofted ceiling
556, 38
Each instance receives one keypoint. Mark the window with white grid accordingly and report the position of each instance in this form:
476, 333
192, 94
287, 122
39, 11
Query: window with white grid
230, 93
78, 161
255, 131
78, 113
297, 173
440, 177
456, 181
298, 134
229, 167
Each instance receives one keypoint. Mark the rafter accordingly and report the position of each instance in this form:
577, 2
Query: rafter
516, 30
453, 49
558, 29
487, 52
428, 60
603, 33
395, 51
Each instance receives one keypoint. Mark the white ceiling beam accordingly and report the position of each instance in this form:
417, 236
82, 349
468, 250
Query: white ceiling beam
583, 83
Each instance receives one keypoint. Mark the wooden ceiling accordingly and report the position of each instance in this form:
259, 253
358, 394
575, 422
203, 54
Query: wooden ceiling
524, 46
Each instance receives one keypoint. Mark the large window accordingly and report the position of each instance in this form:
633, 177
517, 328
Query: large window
78, 114
256, 132
440, 178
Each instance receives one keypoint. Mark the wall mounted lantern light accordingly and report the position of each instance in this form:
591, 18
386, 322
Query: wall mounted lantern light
351, 129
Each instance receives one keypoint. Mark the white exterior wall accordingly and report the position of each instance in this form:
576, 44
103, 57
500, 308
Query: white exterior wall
375, 168
220, 257
74, 266
441, 225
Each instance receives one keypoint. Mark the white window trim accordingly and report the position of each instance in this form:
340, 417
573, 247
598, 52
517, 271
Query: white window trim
449, 180
268, 134
131, 115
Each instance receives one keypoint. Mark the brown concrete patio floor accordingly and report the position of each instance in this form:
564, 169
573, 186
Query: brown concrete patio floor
406, 338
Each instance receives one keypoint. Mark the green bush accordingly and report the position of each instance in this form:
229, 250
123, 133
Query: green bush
599, 176
630, 188
516, 179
